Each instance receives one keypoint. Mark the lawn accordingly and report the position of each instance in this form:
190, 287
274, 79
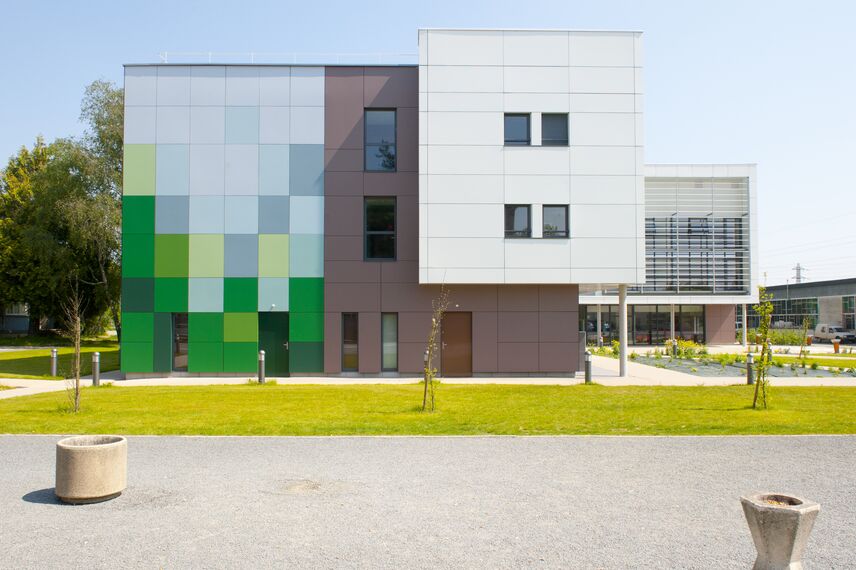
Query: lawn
462, 410
833, 360
36, 363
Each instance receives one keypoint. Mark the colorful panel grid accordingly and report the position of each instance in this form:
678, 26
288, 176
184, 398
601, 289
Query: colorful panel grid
222, 214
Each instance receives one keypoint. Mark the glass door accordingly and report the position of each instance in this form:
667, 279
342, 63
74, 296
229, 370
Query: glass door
179, 342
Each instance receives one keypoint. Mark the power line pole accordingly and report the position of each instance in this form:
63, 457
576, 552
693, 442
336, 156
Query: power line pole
798, 278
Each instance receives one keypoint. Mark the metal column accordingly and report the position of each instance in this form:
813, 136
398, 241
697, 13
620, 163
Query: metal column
622, 330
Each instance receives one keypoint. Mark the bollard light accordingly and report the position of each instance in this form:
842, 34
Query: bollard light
96, 368
588, 366
750, 379
261, 367
53, 361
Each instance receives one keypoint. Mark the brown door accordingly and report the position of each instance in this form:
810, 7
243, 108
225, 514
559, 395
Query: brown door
457, 345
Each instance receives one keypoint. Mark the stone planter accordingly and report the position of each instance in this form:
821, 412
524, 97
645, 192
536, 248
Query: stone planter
780, 526
91, 468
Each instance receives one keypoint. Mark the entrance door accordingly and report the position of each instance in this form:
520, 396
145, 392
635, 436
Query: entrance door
179, 342
456, 354
273, 339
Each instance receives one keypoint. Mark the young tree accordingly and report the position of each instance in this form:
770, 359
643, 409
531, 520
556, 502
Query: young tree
438, 306
764, 310
73, 307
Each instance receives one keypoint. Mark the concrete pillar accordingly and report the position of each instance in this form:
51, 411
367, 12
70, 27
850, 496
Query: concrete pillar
597, 339
672, 322
745, 327
622, 330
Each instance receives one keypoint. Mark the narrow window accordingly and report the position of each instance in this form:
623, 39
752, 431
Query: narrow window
517, 221
517, 129
389, 341
379, 218
380, 140
555, 222
554, 129
350, 342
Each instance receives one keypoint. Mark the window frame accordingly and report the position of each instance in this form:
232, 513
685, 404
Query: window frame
366, 144
528, 141
397, 344
544, 230
357, 343
528, 221
567, 140
367, 232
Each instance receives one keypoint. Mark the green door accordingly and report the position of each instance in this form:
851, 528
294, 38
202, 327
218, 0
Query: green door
273, 339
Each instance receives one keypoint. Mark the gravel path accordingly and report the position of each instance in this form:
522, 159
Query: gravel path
551, 502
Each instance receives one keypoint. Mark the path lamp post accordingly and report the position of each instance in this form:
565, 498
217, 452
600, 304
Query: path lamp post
749, 360
53, 361
96, 368
261, 367
588, 367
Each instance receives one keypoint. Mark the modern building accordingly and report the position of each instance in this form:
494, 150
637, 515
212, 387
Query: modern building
821, 302
315, 211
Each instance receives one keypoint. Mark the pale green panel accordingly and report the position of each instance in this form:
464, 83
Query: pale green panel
306, 255
273, 255
139, 170
206, 255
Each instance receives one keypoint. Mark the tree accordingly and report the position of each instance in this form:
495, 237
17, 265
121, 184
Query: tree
72, 313
438, 306
764, 310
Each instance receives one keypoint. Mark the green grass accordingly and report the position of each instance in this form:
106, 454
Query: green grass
36, 363
50, 340
2, 387
462, 410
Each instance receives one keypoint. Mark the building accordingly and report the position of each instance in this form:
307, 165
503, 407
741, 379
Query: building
315, 211
821, 302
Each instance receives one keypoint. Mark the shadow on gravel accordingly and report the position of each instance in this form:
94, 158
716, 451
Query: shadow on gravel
42, 497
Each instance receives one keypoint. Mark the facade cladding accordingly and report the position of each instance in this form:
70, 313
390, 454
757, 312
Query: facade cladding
315, 212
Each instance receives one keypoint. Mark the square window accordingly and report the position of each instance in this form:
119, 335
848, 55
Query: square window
554, 129
517, 132
518, 221
380, 152
555, 221
379, 229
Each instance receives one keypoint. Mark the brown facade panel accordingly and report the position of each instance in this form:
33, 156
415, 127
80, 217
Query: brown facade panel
558, 326
518, 298
485, 342
333, 349
391, 87
342, 248
351, 272
414, 327
401, 272
558, 357
343, 160
719, 324
411, 357
558, 298
343, 184
517, 357
518, 326
343, 216
352, 297
369, 343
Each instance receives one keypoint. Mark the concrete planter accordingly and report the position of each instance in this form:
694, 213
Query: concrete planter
91, 468
780, 526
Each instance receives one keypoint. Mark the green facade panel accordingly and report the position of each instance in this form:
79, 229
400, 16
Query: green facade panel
273, 255
138, 214
306, 357
205, 357
138, 170
240, 356
306, 295
171, 253
241, 327
171, 294
162, 342
137, 327
205, 328
306, 327
138, 294
240, 294
137, 357
138, 255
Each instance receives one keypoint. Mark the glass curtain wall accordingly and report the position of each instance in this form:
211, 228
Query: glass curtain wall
647, 324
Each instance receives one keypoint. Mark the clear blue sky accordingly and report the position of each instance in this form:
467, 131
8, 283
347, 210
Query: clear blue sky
771, 82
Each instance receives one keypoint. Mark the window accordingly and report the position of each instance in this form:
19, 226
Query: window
554, 129
555, 222
516, 129
379, 218
380, 140
517, 221
350, 342
389, 341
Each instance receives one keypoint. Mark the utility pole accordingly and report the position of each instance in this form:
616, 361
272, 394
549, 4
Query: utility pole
798, 278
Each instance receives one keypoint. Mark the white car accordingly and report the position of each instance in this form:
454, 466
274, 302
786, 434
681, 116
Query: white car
829, 333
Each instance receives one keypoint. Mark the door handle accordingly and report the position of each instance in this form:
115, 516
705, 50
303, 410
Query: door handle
285, 344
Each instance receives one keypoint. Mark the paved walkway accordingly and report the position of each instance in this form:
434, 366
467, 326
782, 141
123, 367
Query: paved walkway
427, 502
604, 371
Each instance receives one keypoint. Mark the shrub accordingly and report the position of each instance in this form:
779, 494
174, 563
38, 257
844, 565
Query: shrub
792, 337
633, 355
616, 348
814, 365
688, 348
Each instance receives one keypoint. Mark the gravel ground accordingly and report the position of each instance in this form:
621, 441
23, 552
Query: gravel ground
715, 369
447, 502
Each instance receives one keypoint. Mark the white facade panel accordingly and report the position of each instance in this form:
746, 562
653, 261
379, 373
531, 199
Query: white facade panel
141, 85
173, 125
208, 85
591, 252
173, 85
140, 125
242, 86
468, 175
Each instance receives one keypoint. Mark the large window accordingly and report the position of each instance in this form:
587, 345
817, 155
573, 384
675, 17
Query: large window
389, 341
554, 129
517, 129
350, 342
380, 140
379, 218
518, 221
555, 221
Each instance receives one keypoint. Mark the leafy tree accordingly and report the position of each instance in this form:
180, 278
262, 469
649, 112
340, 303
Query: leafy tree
764, 310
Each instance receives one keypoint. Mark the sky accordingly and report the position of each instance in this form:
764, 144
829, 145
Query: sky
766, 82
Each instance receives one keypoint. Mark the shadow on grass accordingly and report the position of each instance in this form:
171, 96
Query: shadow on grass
42, 497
